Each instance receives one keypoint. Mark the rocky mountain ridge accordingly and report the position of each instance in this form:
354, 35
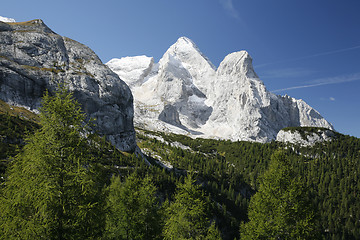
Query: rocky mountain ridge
185, 93
306, 136
34, 59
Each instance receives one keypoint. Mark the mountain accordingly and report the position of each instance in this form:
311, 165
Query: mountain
5, 19
34, 59
230, 173
306, 136
185, 93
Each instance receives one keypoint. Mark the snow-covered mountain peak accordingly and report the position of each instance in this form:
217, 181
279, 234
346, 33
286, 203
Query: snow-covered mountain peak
184, 41
237, 63
132, 70
170, 59
186, 54
185, 50
5, 19
182, 45
185, 94
129, 63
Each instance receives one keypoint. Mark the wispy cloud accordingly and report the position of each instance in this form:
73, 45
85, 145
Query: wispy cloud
331, 99
309, 56
286, 73
229, 7
324, 81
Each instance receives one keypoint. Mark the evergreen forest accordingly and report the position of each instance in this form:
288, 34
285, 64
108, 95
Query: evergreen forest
60, 180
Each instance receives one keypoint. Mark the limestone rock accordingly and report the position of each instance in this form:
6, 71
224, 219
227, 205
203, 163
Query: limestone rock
33, 58
230, 102
132, 69
5, 19
305, 136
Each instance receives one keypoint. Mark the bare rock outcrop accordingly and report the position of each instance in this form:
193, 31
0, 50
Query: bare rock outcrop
229, 102
306, 136
33, 59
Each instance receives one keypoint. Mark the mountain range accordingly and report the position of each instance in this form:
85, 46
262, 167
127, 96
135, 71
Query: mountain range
182, 93
185, 93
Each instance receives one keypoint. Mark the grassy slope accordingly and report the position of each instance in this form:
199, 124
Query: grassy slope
15, 124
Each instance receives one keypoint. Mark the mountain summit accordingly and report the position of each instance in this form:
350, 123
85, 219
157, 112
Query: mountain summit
34, 59
6, 19
185, 93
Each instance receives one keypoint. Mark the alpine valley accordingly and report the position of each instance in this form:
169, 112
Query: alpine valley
178, 149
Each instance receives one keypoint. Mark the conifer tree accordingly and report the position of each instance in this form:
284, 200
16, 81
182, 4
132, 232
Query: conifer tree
186, 216
133, 209
54, 188
280, 209
213, 233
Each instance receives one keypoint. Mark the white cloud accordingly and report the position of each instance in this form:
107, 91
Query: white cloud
332, 99
286, 73
325, 81
229, 7
309, 56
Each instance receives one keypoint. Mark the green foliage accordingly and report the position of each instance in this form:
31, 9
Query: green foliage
6, 109
133, 209
213, 233
305, 131
14, 124
187, 214
331, 174
227, 173
54, 188
281, 208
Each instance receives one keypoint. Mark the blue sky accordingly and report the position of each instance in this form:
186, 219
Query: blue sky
308, 49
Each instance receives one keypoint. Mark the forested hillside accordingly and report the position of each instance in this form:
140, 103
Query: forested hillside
229, 172
15, 122
193, 188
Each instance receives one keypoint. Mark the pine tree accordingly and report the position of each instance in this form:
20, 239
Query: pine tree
280, 209
133, 209
54, 188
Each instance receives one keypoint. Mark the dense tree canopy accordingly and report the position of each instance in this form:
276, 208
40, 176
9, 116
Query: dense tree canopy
187, 215
133, 209
54, 188
281, 208
59, 185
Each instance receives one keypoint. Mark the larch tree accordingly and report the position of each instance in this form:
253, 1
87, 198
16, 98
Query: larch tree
54, 187
213, 233
133, 209
186, 216
281, 208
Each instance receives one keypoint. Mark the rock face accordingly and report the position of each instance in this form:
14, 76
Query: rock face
33, 58
184, 93
305, 136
